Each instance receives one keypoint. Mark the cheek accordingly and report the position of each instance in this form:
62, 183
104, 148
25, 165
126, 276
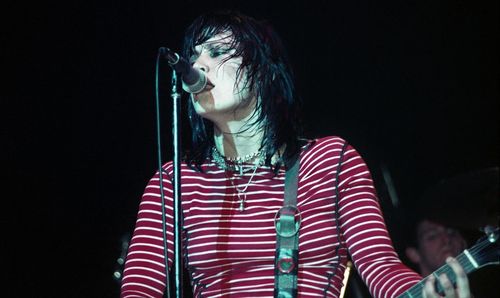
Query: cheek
234, 82
228, 94
458, 243
242, 91
222, 96
432, 245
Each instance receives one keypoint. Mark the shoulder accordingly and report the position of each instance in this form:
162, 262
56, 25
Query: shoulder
330, 145
321, 154
328, 152
208, 167
168, 171
327, 141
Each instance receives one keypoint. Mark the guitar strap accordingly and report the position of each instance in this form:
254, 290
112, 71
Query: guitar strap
287, 223
287, 238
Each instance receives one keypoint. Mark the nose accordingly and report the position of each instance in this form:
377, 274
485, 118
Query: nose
449, 235
201, 63
446, 238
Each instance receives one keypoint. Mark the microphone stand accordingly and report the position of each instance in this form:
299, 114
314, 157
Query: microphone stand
176, 96
194, 82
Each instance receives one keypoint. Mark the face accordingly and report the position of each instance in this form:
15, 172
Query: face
436, 243
225, 95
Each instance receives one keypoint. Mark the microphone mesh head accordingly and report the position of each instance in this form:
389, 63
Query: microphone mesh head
197, 86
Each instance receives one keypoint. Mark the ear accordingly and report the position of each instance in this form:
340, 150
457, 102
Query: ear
412, 254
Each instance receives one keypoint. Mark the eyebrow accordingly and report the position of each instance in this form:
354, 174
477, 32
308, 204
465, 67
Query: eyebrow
210, 45
197, 53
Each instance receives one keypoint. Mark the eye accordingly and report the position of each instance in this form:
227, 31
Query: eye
216, 52
453, 233
430, 236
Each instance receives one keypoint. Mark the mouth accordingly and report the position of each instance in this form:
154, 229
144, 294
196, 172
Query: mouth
448, 253
207, 88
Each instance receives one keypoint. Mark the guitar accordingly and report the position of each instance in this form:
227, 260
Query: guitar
120, 261
485, 252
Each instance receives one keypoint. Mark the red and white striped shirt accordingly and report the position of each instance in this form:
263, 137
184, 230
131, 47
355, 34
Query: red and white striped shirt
231, 252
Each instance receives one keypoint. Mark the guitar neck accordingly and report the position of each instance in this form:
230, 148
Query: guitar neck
465, 259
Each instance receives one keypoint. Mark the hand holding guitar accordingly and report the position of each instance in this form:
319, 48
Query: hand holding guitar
462, 289
441, 282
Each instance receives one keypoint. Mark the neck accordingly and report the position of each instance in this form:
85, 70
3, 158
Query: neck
425, 271
236, 134
238, 138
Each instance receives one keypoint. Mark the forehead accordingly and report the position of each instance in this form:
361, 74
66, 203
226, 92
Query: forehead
428, 226
218, 39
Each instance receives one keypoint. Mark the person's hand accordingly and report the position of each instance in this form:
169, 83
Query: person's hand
461, 291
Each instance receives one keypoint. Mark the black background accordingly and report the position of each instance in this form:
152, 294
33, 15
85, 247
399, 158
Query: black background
413, 85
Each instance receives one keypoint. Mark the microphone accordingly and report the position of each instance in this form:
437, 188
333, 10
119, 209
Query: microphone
193, 80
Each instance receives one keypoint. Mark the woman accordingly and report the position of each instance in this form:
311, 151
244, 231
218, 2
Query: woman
245, 135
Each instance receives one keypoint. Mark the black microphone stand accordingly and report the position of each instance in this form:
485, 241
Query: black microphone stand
176, 96
176, 181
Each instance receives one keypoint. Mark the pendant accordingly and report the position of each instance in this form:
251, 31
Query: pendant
242, 206
242, 196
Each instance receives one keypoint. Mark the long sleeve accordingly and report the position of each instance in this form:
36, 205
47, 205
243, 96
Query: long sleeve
365, 232
144, 273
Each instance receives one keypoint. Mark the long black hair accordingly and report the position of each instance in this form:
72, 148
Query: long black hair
268, 74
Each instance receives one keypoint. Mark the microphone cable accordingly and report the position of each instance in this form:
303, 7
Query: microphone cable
160, 171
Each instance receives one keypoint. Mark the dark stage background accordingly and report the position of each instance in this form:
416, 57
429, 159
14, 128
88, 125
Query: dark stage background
413, 85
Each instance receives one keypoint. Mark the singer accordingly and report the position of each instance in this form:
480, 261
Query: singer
246, 138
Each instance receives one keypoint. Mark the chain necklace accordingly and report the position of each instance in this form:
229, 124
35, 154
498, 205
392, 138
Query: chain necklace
236, 164
241, 192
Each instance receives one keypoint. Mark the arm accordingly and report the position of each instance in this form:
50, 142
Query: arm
144, 273
369, 243
365, 232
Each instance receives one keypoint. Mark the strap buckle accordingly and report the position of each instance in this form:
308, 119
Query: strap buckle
286, 265
288, 213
